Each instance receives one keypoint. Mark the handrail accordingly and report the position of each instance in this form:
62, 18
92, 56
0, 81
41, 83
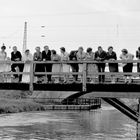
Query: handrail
76, 73
69, 62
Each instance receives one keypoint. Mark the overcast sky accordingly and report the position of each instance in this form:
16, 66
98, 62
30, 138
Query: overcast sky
71, 23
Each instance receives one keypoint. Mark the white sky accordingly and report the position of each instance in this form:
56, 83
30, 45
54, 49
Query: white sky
71, 23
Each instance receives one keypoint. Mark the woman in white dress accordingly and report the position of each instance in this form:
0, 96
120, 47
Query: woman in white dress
55, 67
81, 55
65, 67
127, 67
91, 68
27, 58
3, 57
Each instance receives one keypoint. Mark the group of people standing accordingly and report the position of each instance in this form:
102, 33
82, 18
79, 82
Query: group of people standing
100, 56
76, 55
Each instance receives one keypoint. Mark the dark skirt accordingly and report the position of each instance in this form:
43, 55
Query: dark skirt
138, 67
39, 68
128, 68
113, 67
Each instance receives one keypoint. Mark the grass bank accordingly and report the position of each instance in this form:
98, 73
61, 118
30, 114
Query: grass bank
18, 105
18, 101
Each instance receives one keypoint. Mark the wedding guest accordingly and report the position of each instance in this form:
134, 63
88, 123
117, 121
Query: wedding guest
138, 57
81, 55
27, 58
8, 77
100, 56
91, 68
16, 56
74, 66
46, 57
113, 67
65, 67
3, 58
127, 67
55, 67
38, 67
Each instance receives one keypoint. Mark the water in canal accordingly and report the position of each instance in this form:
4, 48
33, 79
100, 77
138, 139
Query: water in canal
103, 124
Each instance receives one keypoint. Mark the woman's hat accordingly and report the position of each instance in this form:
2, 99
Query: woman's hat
125, 50
3, 47
89, 49
63, 49
27, 50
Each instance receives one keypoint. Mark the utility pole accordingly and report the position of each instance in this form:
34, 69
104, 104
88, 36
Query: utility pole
25, 38
138, 122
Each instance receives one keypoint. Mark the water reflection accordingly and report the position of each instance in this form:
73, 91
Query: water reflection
104, 124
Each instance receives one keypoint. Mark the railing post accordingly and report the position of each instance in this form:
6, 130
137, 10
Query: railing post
138, 122
84, 76
31, 76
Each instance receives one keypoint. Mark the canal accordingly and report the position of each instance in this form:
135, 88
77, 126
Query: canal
103, 124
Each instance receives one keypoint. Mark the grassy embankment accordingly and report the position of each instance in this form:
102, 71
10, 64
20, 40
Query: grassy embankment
17, 101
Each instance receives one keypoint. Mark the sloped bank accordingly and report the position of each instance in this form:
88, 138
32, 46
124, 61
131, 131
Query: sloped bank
17, 101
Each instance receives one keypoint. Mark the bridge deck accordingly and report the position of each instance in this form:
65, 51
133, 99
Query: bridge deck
99, 90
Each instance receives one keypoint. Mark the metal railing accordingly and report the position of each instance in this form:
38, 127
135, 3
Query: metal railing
69, 101
83, 74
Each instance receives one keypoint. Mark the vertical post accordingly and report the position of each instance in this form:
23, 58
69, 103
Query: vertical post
31, 76
84, 76
138, 122
25, 38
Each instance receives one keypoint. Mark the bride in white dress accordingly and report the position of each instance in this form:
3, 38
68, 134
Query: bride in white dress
3, 65
26, 58
3, 57
65, 67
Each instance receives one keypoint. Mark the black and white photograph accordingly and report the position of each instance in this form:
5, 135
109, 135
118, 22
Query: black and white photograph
69, 69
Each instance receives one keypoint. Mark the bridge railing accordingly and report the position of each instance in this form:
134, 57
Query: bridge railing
84, 74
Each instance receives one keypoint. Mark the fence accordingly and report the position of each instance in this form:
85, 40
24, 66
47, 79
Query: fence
69, 101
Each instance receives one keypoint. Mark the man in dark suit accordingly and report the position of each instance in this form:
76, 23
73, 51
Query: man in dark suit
100, 56
16, 56
46, 56
74, 66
